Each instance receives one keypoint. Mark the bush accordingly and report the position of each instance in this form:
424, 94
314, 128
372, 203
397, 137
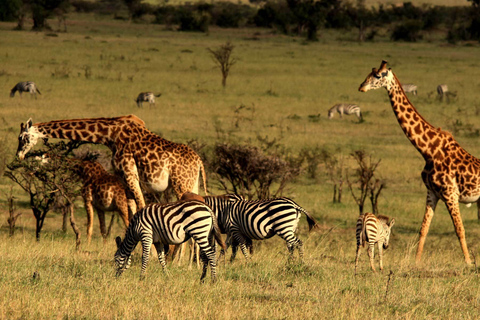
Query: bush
408, 31
191, 20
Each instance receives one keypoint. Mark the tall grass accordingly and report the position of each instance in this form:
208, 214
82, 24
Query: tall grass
285, 80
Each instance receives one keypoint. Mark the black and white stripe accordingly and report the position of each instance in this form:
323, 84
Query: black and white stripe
372, 229
442, 90
27, 86
146, 97
343, 108
166, 224
244, 220
410, 88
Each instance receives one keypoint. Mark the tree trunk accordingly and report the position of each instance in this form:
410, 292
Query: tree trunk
74, 227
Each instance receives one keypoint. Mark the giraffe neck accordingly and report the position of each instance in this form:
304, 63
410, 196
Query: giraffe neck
96, 130
420, 133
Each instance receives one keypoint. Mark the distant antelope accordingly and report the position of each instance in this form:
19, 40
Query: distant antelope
409, 87
343, 108
373, 229
27, 86
146, 97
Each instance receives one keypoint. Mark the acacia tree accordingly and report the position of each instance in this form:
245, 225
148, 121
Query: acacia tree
222, 57
45, 178
367, 183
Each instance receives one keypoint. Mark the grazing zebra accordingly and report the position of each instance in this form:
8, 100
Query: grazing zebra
22, 87
373, 229
407, 88
244, 220
146, 97
442, 90
343, 108
172, 223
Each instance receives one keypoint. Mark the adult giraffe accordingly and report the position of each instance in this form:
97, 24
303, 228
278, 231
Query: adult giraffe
451, 174
143, 159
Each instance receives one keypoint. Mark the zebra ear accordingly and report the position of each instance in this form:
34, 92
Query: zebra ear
391, 223
118, 241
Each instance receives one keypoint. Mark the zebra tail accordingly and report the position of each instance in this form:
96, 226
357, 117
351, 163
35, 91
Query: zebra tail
312, 224
158, 95
38, 90
217, 233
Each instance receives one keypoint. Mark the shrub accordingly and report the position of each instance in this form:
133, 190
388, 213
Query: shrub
408, 31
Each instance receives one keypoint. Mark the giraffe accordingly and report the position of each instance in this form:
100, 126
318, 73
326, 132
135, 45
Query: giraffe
104, 192
141, 158
450, 174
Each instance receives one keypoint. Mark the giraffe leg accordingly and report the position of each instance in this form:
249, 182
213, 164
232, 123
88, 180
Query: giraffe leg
432, 201
454, 210
101, 219
87, 199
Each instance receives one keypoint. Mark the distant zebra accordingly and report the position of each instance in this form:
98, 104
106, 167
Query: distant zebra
146, 97
27, 86
373, 229
244, 220
172, 223
343, 108
410, 88
442, 90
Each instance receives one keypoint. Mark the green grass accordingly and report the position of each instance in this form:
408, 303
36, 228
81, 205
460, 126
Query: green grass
286, 80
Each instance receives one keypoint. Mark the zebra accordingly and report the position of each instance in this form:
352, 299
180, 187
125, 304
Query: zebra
343, 108
409, 87
373, 229
442, 90
27, 86
244, 220
172, 223
146, 97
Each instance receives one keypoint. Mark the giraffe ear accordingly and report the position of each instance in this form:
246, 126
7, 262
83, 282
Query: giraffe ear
28, 124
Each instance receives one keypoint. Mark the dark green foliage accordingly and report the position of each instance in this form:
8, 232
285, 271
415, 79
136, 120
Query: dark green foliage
9, 9
408, 31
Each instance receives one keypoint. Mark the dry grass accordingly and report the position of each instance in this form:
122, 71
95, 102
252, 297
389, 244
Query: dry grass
286, 81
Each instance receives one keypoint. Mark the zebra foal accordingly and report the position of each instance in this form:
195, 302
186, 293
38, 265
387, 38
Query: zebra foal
146, 97
27, 86
373, 229
244, 220
347, 109
172, 223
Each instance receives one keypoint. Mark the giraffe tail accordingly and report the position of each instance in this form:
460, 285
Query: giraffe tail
204, 176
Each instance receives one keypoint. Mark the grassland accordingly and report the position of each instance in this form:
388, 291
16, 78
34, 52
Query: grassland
98, 68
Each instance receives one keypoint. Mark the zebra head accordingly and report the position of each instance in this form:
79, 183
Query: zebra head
122, 260
378, 78
388, 230
28, 138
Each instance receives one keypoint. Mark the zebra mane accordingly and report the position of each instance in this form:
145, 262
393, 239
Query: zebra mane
383, 218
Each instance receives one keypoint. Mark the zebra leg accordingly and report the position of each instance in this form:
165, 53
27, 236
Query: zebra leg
146, 246
359, 251
380, 255
371, 255
161, 255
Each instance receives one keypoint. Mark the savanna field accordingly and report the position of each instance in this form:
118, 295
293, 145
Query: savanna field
286, 86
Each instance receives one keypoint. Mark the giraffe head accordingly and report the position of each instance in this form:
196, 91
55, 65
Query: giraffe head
382, 77
28, 137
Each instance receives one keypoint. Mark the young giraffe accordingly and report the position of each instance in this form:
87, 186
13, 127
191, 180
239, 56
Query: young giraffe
450, 174
144, 160
104, 192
